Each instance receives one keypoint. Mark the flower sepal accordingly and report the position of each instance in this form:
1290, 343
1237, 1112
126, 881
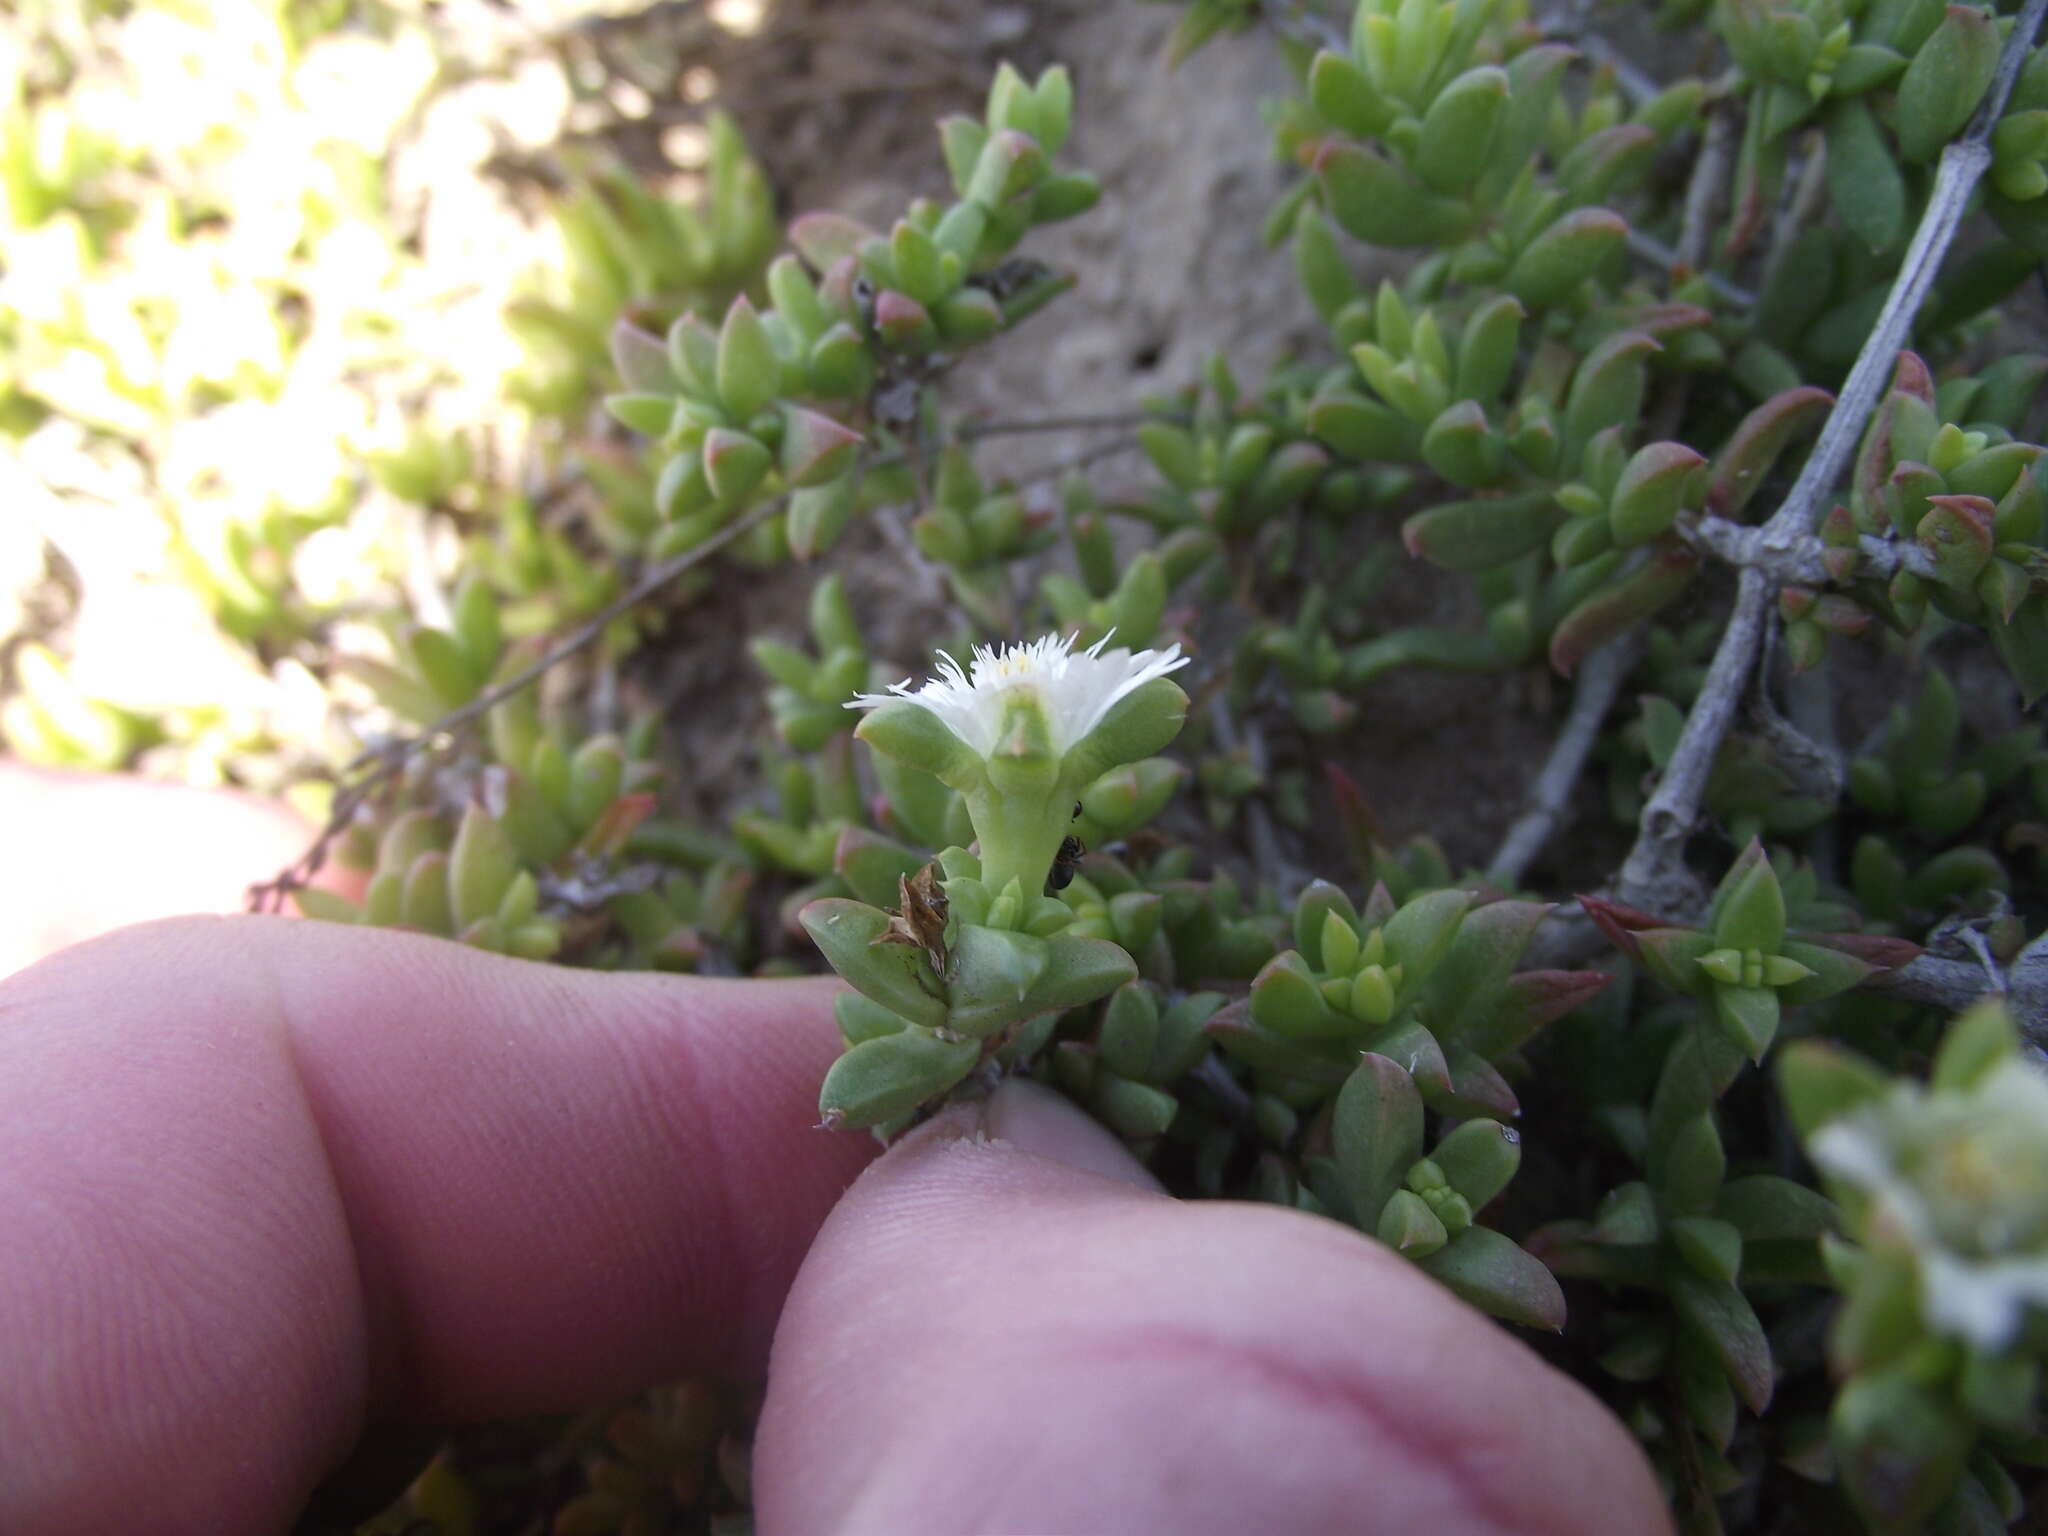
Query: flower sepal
1138, 725
917, 738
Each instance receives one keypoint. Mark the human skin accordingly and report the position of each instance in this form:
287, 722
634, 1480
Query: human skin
264, 1181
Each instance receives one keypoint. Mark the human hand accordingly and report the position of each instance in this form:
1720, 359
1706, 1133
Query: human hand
264, 1180
87, 853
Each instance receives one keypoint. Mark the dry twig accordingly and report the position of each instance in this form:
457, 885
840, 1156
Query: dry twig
1654, 875
1599, 684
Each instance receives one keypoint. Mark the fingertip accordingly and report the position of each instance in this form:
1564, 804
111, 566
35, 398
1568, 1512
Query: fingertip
985, 1337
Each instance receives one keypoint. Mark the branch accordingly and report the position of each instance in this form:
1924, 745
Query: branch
387, 760
1635, 83
1654, 875
1703, 193
1950, 984
1599, 684
1962, 164
1101, 422
1658, 254
2027, 990
1798, 561
1275, 869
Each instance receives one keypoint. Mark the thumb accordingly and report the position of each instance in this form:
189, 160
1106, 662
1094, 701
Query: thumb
1004, 1326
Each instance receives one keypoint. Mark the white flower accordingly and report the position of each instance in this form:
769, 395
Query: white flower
1073, 689
1961, 1179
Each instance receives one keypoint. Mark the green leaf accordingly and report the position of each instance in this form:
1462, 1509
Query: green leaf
1945, 81
1687, 1164
1458, 129
1899, 1448
917, 738
1375, 201
1346, 97
1286, 999
993, 974
480, 867
1627, 1217
1420, 933
1748, 1016
1712, 1248
1377, 1132
1834, 972
1499, 1277
734, 463
873, 865
862, 1018
1618, 605
1319, 901
1137, 726
1606, 390
815, 448
1467, 984
1407, 1225
1557, 261
642, 361
898, 976
826, 239
1977, 1043
1654, 486
1360, 429
1749, 907
1479, 1158
1819, 1082
1264, 1050
749, 372
2023, 647
1325, 275
1746, 458
1720, 1316
1864, 183
1135, 1111
1478, 534
1130, 1031
1079, 970
1767, 1209
891, 1075
649, 415
1487, 348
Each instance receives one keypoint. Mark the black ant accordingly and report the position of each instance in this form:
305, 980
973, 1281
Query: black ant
1067, 862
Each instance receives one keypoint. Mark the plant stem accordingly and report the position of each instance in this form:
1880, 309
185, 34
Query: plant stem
1704, 190
1100, 422
1654, 876
1658, 254
1599, 684
1798, 562
389, 759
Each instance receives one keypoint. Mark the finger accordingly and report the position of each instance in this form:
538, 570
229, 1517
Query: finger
105, 850
986, 1339
260, 1177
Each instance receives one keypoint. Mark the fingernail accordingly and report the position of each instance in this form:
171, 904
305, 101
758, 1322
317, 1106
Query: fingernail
1035, 1119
